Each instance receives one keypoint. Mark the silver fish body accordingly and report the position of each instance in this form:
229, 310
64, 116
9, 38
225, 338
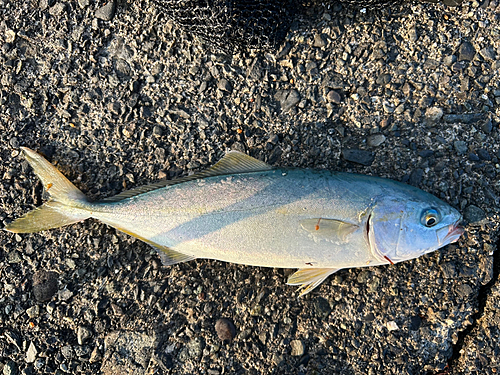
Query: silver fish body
244, 211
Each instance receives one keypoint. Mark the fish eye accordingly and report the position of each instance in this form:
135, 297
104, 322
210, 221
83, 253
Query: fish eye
430, 217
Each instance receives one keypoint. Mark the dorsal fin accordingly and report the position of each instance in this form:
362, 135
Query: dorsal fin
233, 162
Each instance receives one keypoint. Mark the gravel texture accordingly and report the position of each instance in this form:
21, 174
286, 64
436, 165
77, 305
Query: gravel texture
117, 97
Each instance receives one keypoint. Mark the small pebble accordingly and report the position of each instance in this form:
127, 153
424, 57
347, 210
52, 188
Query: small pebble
107, 11
31, 353
319, 41
426, 153
83, 334
433, 115
334, 97
298, 348
466, 52
44, 285
375, 140
57, 9
224, 85
225, 329
33, 311
10, 368
464, 290
358, 156
483, 154
488, 54
473, 157
474, 214
460, 147
288, 99
392, 326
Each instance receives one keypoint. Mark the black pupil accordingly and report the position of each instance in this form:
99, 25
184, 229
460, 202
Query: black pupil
431, 221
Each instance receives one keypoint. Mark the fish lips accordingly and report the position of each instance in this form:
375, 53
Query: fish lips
450, 234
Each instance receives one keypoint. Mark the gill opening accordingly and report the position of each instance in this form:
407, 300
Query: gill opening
388, 259
367, 234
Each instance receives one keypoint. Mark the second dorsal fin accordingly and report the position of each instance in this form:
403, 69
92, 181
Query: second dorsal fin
232, 163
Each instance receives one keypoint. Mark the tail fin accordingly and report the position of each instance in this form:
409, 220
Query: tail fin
66, 203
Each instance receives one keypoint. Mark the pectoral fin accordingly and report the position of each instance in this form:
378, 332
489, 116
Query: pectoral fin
329, 228
310, 278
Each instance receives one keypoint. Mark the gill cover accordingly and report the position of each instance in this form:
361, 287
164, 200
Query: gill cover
385, 227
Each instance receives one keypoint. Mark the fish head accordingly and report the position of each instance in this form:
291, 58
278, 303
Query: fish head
407, 227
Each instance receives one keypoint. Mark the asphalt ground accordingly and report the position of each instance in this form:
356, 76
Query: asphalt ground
409, 93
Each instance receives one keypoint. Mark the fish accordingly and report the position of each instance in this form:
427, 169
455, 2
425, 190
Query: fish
243, 210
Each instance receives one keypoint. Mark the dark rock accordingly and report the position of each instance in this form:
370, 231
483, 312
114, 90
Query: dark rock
473, 157
464, 290
415, 322
384, 79
416, 177
334, 97
10, 368
448, 270
358, 156
107, 11
483, 154
288, 99
322, 307
488, 53
460, 147
466, 52
473, 214
44, 285
465, 118
426, 153
273, 139
487, 127
225, 329
284, 51
370, 317
452, 3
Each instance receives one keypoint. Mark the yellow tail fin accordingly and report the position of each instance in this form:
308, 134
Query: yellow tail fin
65, 206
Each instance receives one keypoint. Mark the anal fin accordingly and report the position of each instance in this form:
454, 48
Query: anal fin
310, 278
168, 256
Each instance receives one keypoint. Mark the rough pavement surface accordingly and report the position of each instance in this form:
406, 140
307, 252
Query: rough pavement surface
117, 96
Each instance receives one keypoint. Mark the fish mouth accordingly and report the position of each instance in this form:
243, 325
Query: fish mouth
455, 231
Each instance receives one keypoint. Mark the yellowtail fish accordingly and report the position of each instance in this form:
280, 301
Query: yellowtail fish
243, 210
